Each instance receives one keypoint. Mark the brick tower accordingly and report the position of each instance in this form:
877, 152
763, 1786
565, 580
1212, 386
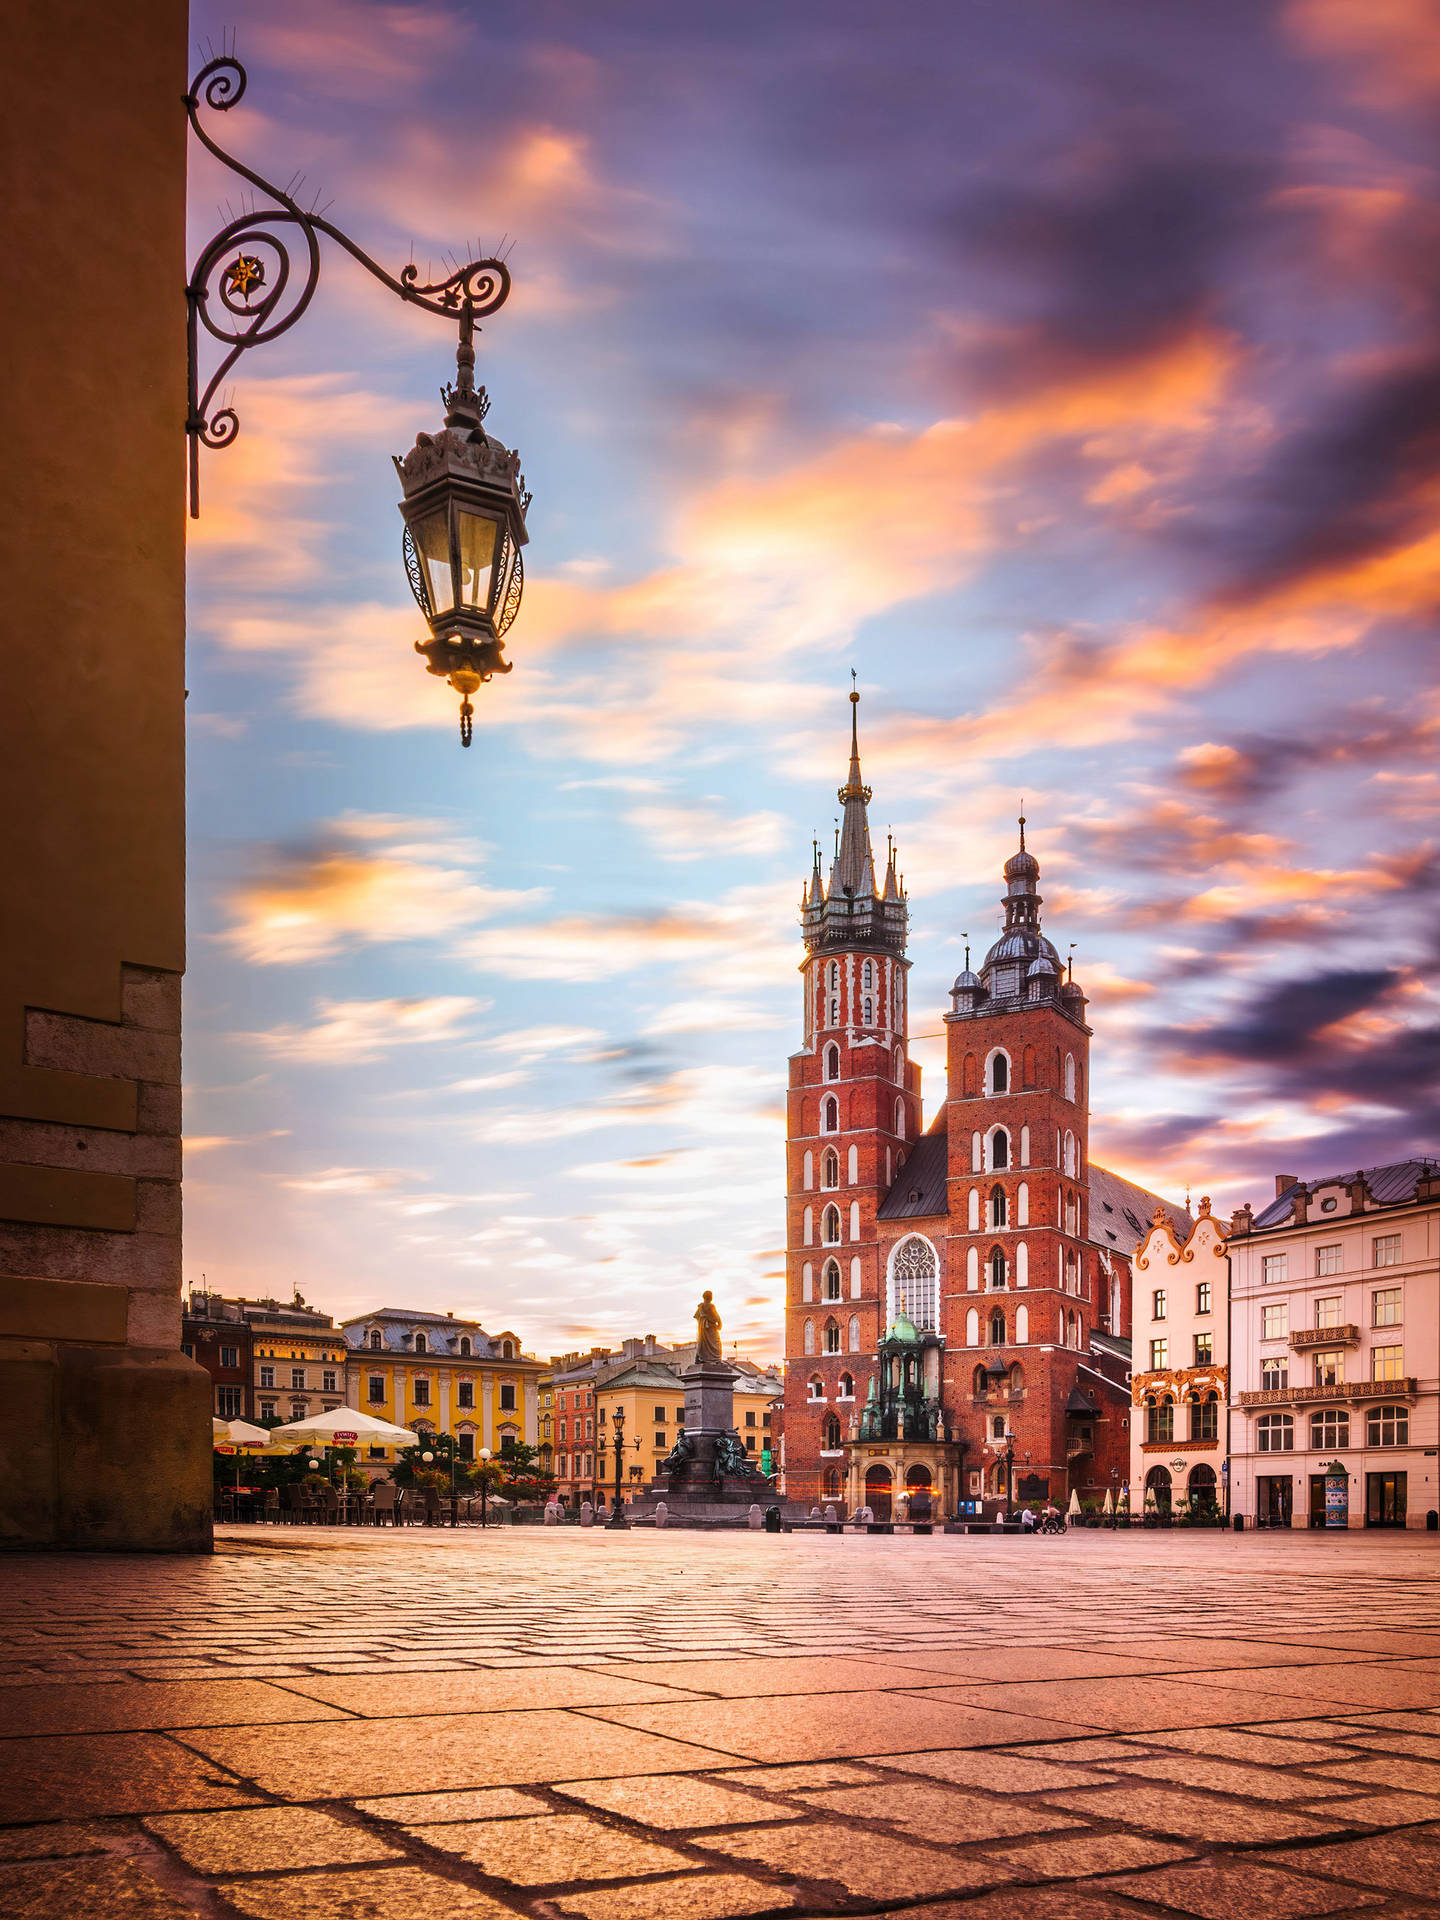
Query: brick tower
1018, 1304
854, 1105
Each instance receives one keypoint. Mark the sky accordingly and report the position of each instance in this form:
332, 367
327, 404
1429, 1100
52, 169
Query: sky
1070, 369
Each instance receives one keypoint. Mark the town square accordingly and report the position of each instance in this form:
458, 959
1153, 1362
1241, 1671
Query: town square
719, 990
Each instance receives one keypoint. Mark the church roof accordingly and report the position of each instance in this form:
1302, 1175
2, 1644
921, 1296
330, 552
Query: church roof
1121, 1214
920, 1185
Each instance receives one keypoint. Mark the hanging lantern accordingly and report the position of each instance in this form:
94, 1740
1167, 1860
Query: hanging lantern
464, 512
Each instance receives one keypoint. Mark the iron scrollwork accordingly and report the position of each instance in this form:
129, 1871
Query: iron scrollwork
245, 289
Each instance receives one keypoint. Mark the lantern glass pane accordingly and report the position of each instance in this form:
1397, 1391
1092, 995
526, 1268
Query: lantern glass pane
432, 542
477, 558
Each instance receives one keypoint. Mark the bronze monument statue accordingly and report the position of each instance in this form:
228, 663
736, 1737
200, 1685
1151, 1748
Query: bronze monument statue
707, 1331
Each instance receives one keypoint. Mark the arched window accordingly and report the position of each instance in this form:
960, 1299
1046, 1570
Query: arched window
831, 1286
809, 1169
1022, 1264
977, 1152
832, 1063
997, 1428
980, 1383
830, 1226
834, 976
832, 1483
999, 1207
465, 1346
1159, 1420
1024, 1146
854, 1166
1070, 1153
1022, 1204
814, 1386
867, 974
834, 1010
997, 1328
847, 1387
1387, 1426
913, 1282
808, 1336
377, 1340
809, 1225
900, 1119
420, 1346
1275, 1433
807, 1282
999, 1073
996, 1266
999, 1149
830, 1168
1157, 1482
830, 1114
974, 1210
507, 1350
897, 1060
855, 1277
1069, 1076
1022, 1324
854, 1333
972, 1328
832, 1336
854, 1219
1072, 1329
830, 1433
867, 1011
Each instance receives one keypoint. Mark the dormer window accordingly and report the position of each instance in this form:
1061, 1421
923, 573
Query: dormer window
465, 1346
420, 1346
507, 1350
377, 1340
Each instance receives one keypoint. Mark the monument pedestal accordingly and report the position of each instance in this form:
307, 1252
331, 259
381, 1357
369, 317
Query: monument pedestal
714, 1482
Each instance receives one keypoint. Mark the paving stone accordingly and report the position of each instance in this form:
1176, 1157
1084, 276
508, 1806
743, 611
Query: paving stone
387, 1893
944, 1815
344, 1759
114, 1889
999, 1770
706, 1896
810, 1728
825, 1773
108, 1773
1239, 1890
740, 1677
388, 1695
1034, 1663
1424, 1746
51, 1841
1383, 1809
1088, 1853
675, 1801
869, 1867
1033, 1903
1076, 1750
552, 1849
1394, 1862
1193, 1816
267, 1839
1228, 1776
484, 1803
1382, 1684
139, 1706
1395, 1770
1226, 1743
1121, 1705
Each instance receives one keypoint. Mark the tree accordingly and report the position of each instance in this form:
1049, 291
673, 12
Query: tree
526, 1476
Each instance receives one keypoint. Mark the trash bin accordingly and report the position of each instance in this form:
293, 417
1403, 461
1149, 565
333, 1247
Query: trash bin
1432, 1520
772, 1519
1239, 1523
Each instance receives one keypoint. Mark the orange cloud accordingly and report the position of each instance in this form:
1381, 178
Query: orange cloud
1389, 50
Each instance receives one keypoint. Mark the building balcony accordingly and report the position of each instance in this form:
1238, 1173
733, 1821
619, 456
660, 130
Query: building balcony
1185, 1446
1347, 1391
1306, 1337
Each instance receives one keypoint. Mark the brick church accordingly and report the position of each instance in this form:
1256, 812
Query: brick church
957, 1296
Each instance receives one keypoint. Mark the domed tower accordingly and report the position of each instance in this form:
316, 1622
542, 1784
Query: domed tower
853, 1107
1017, 1116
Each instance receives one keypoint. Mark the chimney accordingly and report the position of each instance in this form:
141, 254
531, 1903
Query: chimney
1241, 1221
1284, 1182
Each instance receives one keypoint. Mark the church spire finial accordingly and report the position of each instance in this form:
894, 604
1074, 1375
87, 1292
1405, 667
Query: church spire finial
1022, 824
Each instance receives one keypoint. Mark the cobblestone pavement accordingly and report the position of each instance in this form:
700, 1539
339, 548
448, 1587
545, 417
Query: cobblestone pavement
675, 1726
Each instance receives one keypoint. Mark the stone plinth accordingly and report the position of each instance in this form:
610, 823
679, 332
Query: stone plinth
703, 1488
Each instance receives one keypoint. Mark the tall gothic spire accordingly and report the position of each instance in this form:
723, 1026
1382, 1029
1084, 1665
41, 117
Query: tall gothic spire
854, 871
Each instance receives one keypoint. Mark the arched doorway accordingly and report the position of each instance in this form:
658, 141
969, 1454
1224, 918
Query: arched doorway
1202, 1489
877, 1491
1157, 1481
919, 1493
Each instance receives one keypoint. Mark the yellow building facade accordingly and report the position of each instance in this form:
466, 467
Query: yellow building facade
297, 1362
436, 1374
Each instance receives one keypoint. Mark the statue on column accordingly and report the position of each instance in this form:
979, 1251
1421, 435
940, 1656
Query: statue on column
707, 1331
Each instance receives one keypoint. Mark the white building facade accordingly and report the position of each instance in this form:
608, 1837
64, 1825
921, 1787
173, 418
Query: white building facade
1179, 1378
1335, 1351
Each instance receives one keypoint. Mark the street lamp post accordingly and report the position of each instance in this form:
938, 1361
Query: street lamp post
1009, 1474
484, 1458
617, 1517
465, 499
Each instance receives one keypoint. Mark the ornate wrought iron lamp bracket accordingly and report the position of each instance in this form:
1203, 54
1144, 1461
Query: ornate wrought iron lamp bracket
247, 271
